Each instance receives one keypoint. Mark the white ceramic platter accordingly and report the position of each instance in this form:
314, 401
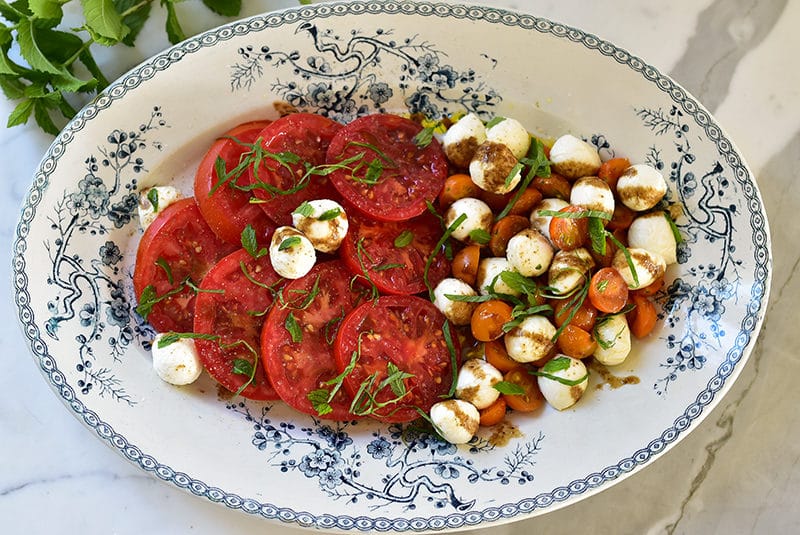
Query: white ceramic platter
78, 233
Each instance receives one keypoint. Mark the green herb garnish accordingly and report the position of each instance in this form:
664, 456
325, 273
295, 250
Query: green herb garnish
479, 236
508, 388
404, 239
289, 242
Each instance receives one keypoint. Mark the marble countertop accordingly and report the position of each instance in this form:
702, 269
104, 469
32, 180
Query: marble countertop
738, 472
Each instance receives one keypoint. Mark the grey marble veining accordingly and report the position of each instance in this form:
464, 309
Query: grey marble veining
737, 473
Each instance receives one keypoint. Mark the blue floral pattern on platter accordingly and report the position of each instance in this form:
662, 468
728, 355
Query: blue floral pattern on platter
409, 475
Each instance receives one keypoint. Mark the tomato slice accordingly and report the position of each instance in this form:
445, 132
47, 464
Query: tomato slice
178, 246
228, 210
232, 306
394, 177
405, 332
303, 138
532, 397
394, 254
298, 368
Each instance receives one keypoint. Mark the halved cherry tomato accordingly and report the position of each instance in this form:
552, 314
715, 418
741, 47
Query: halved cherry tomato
576, 342
532, 399
622, 217
584, 316
488, 320
457, 187
612, 169
465, 264
497, 356
608, 291
604, 260
553, 186
569, 233
527, 200
652, 289
643, 317
496, 201
505, 229
494, 413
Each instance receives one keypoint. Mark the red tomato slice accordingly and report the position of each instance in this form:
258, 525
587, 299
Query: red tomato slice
298, 368
304, 136
395, 269
405, 331
236, 316
178, 245
229, 210
409, 177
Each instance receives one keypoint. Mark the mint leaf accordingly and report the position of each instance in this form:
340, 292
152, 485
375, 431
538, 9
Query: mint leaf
226, 8
242, 367
288, 243
304, 209
175, 33
293, 328
495, 121
327, 215
59, 47
21, 113
509, 388
41, 112
404, 239
134, 14
557, 364
103, 21
479, 236
250, 243
30, 49
319, 400
46, 9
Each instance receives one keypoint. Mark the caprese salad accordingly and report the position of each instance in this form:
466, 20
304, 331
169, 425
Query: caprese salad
399, 269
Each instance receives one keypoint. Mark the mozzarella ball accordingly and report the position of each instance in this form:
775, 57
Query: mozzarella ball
324, 234
641, 187
489, 271
491, 168
458, 312
531, 340
653, 233
512, 134
479, 217
591, 193
456, 420
177, 363
568, 270
476, 381
559, 395
529, 253
613, 338
542, 222
573, 158
462, 138
648, 265
163, 196
291, 253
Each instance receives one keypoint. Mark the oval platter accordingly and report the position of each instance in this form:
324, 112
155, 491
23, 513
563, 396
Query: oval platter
78, 232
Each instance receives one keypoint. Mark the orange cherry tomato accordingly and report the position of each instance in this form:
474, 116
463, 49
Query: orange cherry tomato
608, 291
497, 356
576, 342
652, 289
612, 169
584, 317
643, 318
465, 264
567, 233
553, 186
622, 217
532, 399
494, 413
505, 229
456, 187
496, 201
527, 200
488, 320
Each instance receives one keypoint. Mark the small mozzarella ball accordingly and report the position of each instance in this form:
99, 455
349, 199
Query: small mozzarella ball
297, 257
559, 395
512, 134
529, 253
456, 420
479, 217
641, 187
458, 312
491, 167
531, 340
476, 381
489, 271
568, 270
462, 138
613, 338
325, 235
653, 233
177, 363
164, 196
542, 222
591, 193
573, 158
648, 265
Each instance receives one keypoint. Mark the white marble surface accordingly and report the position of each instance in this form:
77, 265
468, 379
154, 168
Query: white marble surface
738, 472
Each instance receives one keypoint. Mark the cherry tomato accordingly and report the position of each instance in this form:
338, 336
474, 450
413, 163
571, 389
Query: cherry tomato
576, 342
622, 217
406, 332
465, 264
553, 186
494, 413
608, 291
569, 233
532, 399
234, 316
643, 317
584, 316
497, 356
505, 229
457, 187
496, 201
527, 200
488, 320
611, 170
652, 289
